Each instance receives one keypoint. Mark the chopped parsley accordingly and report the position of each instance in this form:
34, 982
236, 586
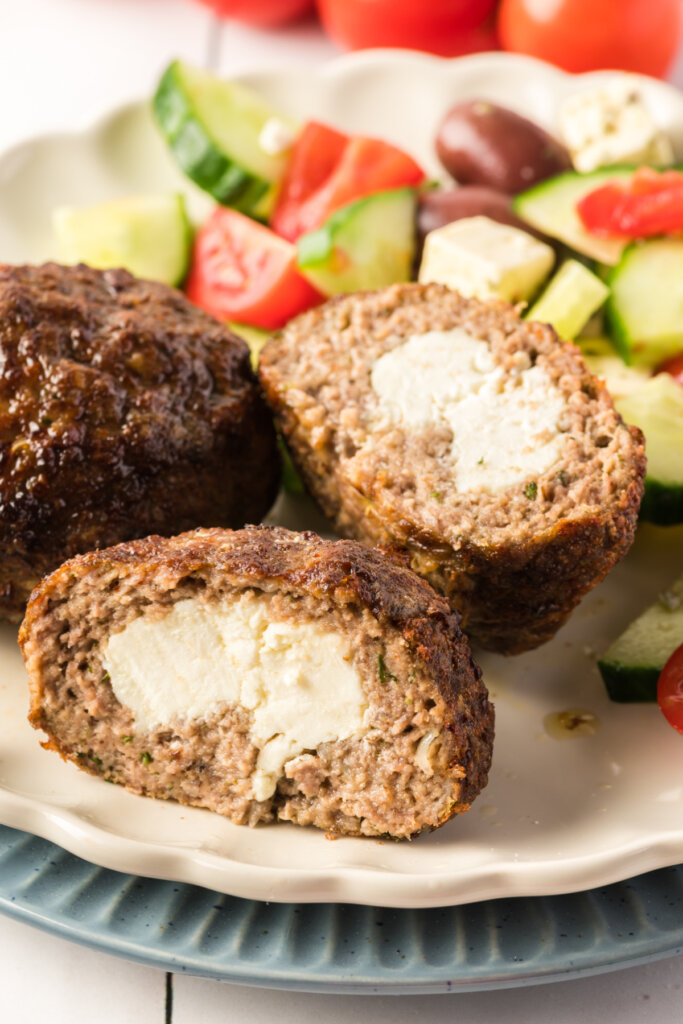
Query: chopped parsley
104, 678
384, 674
146, 759
480, 462
436, 495
126, 739
531, 490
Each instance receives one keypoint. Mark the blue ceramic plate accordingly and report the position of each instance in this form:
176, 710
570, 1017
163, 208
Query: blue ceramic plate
339, 947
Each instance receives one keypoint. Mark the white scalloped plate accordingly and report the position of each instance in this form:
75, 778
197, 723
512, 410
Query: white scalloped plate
556, 816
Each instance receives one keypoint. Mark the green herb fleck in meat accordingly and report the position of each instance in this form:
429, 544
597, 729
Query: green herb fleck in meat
384, 674
531, 490
146, 759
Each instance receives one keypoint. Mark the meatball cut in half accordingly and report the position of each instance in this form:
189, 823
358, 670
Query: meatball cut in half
124, 411
264, 674
471, 438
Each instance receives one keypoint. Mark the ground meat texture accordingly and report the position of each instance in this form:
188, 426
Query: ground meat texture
424, 750
514, 561
124, 411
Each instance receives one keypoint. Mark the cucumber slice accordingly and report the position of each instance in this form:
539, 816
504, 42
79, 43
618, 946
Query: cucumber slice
213, 129
570, 299
254, 337
551, 207
657, 408
148, 235
645, 309
367, 244
631, 667
602, 360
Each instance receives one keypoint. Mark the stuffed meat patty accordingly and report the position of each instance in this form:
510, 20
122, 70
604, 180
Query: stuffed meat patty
475, 441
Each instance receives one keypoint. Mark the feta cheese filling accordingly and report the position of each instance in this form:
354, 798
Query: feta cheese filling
297, 679
505, 425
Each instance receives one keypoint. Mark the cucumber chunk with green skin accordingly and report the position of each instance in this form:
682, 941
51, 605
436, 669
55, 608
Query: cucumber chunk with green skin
213, 129
657, 408
631, 667
551, 207
367, 244
603, 361
148, 235
570, 299
645, 308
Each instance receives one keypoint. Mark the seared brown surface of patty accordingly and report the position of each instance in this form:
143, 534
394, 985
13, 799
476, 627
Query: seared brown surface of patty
423, 751
124, 411
514, 560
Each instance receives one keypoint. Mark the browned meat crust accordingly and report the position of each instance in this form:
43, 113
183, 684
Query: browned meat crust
419, 680
124, 410
515, 562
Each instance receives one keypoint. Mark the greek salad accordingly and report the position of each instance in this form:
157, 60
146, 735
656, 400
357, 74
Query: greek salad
585, 231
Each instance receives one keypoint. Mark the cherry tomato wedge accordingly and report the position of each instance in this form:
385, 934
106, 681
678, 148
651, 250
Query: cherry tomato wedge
674, 367
243, 271
670, 690
343, 169
315, 155
650, 203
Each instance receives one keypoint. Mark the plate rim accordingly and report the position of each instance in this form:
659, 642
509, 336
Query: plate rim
500, 973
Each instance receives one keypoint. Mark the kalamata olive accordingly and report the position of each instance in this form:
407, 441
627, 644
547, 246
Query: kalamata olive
480, 143
442, 206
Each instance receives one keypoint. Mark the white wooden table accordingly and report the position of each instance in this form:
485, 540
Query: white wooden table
63, 62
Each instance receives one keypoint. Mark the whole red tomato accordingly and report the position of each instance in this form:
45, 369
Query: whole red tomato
446, 27
261, 12
585, 35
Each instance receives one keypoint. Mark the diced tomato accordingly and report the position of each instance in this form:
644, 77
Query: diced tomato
650, 203
670, 690
243, 271
674, 367
339, 174
315, 155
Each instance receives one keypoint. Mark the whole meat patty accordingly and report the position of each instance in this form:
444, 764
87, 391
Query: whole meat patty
264, 674
474, 440
124, 411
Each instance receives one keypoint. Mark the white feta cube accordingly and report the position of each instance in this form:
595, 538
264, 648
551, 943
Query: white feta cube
612, 125
478, 256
